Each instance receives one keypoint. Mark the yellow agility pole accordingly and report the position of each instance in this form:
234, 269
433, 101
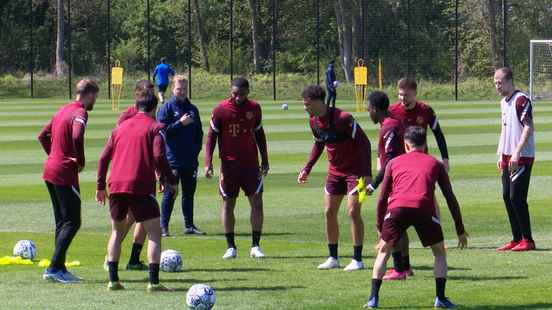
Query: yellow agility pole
116, 85
361, 85
380, 73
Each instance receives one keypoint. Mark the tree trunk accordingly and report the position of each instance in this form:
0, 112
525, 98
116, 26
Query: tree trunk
202, 36
491, 10
345, 29
256, 30
60, 63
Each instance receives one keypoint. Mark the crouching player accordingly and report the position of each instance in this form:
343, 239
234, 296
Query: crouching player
407, 199
137, 151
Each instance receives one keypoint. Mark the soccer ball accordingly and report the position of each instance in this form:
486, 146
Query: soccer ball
25, 249
171, 261
200, 297
285, 106
335, 84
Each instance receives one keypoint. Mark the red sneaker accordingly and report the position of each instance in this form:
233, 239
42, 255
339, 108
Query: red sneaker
508, 246
392, 274
524, 245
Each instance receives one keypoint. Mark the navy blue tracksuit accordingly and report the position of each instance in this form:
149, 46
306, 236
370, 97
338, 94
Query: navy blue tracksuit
183, 144
330, 79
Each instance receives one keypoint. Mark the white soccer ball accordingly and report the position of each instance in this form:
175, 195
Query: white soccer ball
200, 297
335, 84
171, 261
285, 106
25, 249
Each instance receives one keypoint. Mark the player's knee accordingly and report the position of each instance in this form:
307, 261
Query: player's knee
354, 214
330, 213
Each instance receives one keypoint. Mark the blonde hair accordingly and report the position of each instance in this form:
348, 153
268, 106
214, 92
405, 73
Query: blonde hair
179, 78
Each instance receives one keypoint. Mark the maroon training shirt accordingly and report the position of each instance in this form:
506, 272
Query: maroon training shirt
63, 140
130, 112
391, 140
352, 156
409, 182
421, 115
239, 131
136, 150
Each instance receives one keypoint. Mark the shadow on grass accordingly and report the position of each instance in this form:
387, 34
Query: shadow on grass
181, 280
483, 278
425, 267
268, 234
309, 257
486, 307
247, 288
495, 247
229, 269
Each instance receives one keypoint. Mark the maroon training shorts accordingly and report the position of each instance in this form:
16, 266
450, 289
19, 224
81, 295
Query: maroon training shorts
341, 185
232, 178
142, 207
397, 220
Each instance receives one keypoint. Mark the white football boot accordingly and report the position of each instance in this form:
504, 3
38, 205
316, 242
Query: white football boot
330, 263
354, 265
256, 252
230, 253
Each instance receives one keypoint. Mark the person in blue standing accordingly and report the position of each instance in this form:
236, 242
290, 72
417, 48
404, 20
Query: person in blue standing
183, 139
331, 83
161, 77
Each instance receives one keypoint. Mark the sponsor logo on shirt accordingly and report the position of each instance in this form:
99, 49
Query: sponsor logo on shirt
249, 115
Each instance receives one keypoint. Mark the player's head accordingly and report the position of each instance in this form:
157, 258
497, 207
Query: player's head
504, 81
142, 87
163, 60
414, 138
378, 103
313, 100
407, 88
180, 87
87, 92
147, 103
239, 90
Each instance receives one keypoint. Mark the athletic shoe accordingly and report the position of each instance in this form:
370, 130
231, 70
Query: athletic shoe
443, 303
165, 232
230, 253
115, 286
58, 276
71, 277
524, 245
158, 288
354, 265
393, 274
372, 303
410, 272
256, 252
138, 266
330, 263
508, 246
194, 231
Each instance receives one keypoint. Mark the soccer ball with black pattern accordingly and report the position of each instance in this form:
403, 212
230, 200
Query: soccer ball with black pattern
200, 297
25, 249
171, 261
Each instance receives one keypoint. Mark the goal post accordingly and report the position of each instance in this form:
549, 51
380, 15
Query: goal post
540, 69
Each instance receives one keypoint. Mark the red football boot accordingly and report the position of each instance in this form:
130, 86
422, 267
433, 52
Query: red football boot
524, 245
393, 274
508, 246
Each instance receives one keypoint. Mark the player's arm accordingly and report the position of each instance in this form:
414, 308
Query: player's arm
452, 203
79, 126
45, 137
361, 140
260, 139
381, 206
166, 177
330, 79
212, 136
103, 166
525, 116
199, 132
439, 138
155, 73
315, 153
391, 151
164, 116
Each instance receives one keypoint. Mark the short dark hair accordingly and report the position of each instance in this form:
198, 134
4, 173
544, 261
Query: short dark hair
240, 82
407, 83
142, 87
314, 92
508, 73
415, 135
86, 86
379, 99
163, 59
147, 102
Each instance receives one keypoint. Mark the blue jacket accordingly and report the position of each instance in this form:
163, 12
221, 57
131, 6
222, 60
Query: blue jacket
330, 78
161, 74
183, 143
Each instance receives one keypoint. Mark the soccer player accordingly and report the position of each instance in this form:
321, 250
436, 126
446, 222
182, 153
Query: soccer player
411, 112
136, 151
407, 198
161, 77
237, 125
349, 156
516, 151
63, 140
184, 139
331, 83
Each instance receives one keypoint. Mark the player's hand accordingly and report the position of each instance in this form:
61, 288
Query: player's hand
446, 164
370, 189
186, 119
264, 169
173, 188
161, 187
209, 172
499, 164
513, 163
100, 197
463, 241
303, 177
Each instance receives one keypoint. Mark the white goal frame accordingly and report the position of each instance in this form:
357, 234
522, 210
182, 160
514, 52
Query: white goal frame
531, 64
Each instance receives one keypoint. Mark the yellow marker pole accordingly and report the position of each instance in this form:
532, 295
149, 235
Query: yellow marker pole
380, 73
361, 84
116, 85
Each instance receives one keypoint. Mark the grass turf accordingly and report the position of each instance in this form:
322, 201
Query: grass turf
294, 240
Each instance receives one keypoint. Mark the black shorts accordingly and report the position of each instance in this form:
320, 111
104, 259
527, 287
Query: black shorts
142, 207
397, 221
162, 88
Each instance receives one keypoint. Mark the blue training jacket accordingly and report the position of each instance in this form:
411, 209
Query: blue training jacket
182, 143
161, 74
330, 78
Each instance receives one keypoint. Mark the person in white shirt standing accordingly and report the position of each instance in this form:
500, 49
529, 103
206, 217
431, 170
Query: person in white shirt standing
516, 151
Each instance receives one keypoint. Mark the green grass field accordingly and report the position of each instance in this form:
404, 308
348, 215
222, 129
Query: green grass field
479, 277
